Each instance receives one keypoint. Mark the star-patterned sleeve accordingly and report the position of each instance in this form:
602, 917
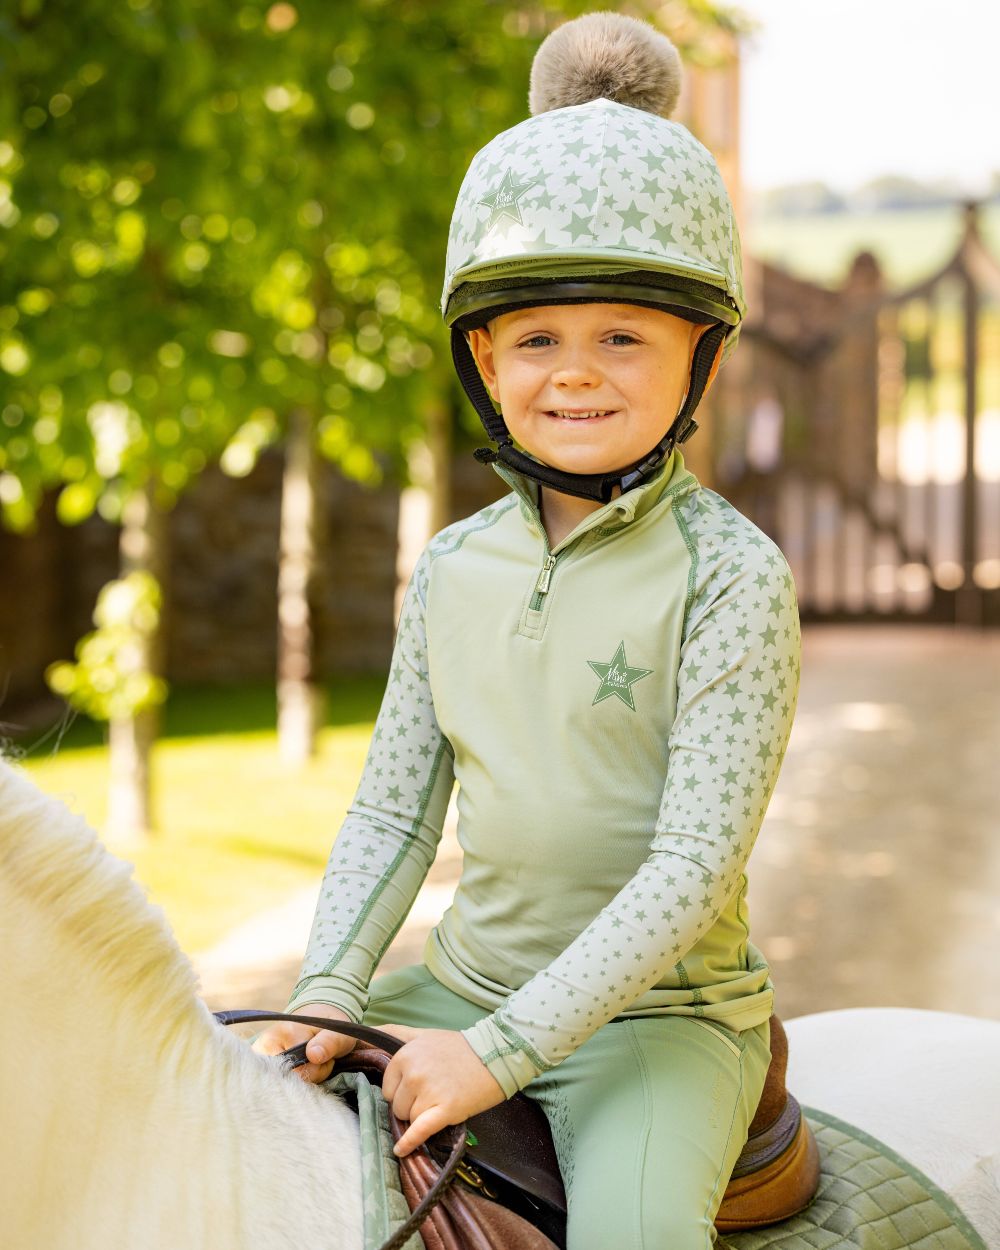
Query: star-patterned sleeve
391, 832
737, 688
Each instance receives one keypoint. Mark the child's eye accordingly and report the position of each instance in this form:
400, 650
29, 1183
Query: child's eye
544, 338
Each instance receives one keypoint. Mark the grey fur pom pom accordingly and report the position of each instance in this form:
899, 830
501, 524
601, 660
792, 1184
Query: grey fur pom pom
610, 55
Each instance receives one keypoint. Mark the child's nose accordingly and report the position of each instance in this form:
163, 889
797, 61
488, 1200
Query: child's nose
574, 365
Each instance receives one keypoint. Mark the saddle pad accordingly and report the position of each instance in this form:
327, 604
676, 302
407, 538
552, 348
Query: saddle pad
382, 1202
869, 1198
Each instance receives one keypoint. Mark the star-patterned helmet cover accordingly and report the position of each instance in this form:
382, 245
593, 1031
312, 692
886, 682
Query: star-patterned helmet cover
595, 188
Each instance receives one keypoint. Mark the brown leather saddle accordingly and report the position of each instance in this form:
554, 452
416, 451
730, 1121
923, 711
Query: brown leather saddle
509, 1155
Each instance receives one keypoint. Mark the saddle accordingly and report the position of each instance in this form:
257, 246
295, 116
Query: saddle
513, 1160
512, 1197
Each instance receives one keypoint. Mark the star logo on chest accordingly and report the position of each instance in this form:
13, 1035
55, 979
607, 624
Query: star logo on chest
617, 678
503, 201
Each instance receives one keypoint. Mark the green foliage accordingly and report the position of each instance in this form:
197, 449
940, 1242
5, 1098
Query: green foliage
111, 679
213, 213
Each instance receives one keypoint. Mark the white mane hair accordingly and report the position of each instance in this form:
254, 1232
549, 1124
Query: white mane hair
130, 1116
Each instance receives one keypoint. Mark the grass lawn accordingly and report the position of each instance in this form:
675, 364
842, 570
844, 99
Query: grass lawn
238, 832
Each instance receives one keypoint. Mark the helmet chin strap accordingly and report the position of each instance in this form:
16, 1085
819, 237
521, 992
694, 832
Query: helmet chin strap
597, 486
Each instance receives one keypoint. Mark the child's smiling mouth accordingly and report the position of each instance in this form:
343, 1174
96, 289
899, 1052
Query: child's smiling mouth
587, 414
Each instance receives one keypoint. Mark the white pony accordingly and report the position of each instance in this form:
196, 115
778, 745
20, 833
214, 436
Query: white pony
132, 1119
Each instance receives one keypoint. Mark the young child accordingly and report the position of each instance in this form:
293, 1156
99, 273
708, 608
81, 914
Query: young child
606, 661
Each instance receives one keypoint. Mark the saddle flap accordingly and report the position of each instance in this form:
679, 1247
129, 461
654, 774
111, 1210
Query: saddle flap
513, 1141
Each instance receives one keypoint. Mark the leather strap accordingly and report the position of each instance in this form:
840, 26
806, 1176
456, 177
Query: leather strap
360, 1032
452, 1139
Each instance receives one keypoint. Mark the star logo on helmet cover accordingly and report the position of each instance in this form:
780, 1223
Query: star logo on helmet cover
617, 678
503, 201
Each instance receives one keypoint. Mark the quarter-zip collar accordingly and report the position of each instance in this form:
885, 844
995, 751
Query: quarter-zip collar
672, 476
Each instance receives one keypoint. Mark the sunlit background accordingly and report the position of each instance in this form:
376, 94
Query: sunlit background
229, 422
870, 89
836, 103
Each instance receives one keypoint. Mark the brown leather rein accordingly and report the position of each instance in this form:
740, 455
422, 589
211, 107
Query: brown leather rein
451, 1140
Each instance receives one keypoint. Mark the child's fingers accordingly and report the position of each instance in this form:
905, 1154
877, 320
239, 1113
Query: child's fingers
314, 1072
326, 1046
281, 1036
322, 1047
425, 1125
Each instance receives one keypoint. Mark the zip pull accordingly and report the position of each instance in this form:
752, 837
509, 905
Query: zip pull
542, 585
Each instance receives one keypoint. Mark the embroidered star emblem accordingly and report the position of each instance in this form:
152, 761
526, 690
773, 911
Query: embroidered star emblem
503, 201
617, 678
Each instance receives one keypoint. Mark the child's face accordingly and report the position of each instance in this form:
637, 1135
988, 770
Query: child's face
630, 362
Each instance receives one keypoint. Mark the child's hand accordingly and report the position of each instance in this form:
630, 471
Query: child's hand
322, 1049
437, 1079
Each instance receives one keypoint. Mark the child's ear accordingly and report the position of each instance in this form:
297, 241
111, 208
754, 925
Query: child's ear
481, 346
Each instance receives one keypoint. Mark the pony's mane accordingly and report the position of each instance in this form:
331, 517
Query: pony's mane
137, 1120
54, 861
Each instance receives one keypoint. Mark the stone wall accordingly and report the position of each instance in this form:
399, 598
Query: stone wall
49, 581
222, 562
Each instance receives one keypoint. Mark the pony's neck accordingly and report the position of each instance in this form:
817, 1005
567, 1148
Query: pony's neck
130, 1117
213, 1151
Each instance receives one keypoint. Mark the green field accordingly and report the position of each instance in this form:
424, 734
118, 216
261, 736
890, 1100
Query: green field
910, 245
239, 832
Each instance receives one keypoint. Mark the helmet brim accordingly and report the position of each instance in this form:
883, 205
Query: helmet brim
473, 304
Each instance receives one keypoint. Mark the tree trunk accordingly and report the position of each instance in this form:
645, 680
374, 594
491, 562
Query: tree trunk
142, 545
301, 702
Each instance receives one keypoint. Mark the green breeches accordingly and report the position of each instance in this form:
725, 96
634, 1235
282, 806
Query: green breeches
648, 1116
